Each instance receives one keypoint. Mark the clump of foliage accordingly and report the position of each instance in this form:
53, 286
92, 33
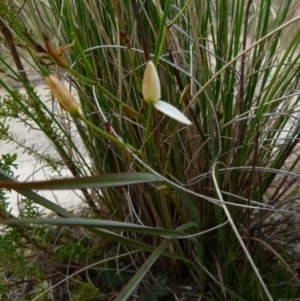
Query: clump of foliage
208, 209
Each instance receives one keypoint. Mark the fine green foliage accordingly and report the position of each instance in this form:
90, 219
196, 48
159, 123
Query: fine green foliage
211, 206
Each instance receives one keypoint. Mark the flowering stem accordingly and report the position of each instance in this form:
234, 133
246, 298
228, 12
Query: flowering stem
106, 135
99, 86
81, 77
147, 131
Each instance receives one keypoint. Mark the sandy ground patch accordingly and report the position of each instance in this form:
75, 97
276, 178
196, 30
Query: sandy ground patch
29, 169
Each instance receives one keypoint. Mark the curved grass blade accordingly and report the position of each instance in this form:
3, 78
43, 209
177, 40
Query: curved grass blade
111, 180
63, 212
95, 223
139, 275
36, 198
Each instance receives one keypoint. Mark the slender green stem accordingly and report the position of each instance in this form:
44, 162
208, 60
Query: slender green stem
161, 34
147, 131
110, 95
101, 88
81, 77
180, 13
106, 135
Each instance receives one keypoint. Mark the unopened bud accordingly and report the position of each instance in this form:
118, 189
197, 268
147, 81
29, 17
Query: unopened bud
63, 95
151, 84
151, 93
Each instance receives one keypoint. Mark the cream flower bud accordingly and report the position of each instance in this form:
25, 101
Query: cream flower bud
151, 84
151, 93
62, 94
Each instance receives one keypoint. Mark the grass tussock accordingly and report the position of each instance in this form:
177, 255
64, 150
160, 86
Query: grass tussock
208, 210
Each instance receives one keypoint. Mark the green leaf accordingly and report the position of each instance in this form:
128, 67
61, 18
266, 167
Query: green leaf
36, 198
95, 223
137, 278
111, 180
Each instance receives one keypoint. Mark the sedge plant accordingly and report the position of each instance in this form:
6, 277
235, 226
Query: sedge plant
188, 113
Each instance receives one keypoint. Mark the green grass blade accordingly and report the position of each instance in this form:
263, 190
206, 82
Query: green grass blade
31, 195
139, 275
104, 181
96, 223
